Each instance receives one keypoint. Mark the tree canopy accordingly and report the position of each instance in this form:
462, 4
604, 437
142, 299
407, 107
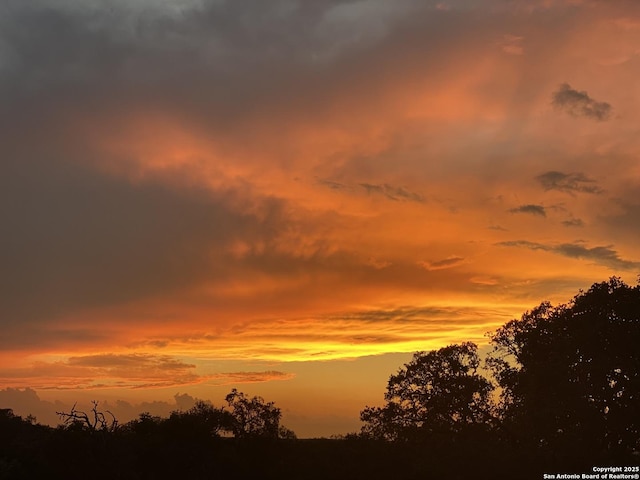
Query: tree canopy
572, 372
438, 391
255, 418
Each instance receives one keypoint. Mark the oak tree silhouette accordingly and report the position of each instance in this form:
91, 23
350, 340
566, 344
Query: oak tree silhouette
437, 392
255, 418
570, 375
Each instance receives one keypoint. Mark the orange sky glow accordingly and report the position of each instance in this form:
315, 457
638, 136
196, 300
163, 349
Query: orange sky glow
292, 197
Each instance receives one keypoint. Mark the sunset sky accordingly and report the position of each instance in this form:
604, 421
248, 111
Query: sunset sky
291, 197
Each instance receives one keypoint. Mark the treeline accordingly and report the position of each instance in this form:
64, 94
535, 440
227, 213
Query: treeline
196, 443
559, 392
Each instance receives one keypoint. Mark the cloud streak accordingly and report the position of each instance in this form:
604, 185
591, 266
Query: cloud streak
531, 209
601, 255
133, 371
106, 371
392, 192
233, 378
443, 264
568, 182
573, 222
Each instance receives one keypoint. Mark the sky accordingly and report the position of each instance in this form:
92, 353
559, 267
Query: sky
291, 197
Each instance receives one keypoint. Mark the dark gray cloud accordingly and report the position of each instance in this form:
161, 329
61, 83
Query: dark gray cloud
217, 64
333, 185
602, 255
530, 209
82, 239
580, 104
227, 59
573, 222
430, 317
392, 192
77, 238
568, 182
626, 222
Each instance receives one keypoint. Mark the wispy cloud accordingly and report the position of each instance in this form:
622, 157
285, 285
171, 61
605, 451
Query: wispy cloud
485, 281
378, 263
107, 370
393, 192
580, 104
344, 334
602, 255
232, 378
114, 362
445, 263
512, 44
135, 371
333, 185
573, 222
568, 182
530, 209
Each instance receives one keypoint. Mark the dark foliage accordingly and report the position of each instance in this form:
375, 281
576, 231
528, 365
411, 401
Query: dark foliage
568, 382
255, 418
570, 375
438, 392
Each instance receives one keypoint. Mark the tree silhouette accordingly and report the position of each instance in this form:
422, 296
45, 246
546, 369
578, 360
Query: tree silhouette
253, 417
204, 418
570, 375
93, 421
437, 392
